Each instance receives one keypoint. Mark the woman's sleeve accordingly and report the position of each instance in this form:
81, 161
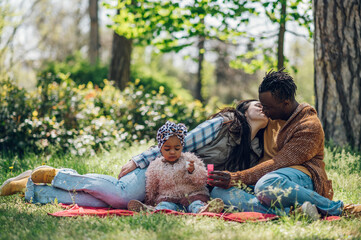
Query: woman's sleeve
203, 134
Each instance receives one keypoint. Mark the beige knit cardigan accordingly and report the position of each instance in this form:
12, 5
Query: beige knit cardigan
300, 142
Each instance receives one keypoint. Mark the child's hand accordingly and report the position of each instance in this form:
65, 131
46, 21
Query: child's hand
190, 166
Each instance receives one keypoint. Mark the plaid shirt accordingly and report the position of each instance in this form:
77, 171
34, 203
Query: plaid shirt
203, 134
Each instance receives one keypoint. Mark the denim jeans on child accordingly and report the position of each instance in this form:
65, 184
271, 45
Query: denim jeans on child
95, 190
276, 192
194, 207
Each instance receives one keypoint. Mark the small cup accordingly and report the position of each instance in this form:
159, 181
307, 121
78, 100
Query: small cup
210, 168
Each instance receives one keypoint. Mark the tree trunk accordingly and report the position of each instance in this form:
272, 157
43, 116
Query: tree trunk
94, 42
200, 68
119, 69
338, 70
281, 36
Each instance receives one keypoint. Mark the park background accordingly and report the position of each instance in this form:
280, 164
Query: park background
86, 84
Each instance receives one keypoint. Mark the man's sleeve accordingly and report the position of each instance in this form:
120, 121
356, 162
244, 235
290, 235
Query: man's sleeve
203, 134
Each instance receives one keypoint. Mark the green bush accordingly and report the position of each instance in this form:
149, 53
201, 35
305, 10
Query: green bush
15, 108
84, 119
81, 72
152, 79
79, 68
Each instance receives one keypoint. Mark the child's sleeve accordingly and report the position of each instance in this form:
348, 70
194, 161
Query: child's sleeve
199, 175
152, 182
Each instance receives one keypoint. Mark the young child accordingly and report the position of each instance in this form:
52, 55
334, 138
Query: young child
176, 180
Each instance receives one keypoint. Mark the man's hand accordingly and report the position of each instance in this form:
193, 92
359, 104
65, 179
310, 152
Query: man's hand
219, 179
127, 168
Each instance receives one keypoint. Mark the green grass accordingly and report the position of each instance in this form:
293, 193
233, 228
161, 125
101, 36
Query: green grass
19, 220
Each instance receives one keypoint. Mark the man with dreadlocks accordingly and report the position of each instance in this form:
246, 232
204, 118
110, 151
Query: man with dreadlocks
292, 171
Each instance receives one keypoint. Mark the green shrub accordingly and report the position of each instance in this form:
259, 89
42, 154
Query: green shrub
81, 72
15, 108
79, 68
152, 79
84, 119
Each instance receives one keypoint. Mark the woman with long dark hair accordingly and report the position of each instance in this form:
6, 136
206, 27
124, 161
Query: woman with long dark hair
239, 143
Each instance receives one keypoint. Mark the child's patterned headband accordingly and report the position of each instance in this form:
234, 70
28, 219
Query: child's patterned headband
171, 129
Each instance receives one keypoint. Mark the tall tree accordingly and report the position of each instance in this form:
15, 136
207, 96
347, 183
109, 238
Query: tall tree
337, 48
119, 69
174, 25
281, 35
94, 42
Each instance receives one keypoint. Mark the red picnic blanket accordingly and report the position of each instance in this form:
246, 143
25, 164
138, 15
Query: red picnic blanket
75, 210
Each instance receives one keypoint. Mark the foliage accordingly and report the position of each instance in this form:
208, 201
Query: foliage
82, 72
85, 119
79, 68
298, 11
15, 107
264, 56
173, 25
153, 71
260, 58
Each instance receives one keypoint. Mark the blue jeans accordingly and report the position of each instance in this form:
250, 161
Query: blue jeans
276, 192
194, 207
94, 190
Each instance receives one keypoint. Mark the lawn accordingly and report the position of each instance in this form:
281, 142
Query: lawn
19, 220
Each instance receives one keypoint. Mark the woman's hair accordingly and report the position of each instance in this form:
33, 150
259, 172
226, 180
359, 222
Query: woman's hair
240, 156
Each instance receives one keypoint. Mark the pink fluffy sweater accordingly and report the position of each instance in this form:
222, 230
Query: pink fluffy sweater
171, 182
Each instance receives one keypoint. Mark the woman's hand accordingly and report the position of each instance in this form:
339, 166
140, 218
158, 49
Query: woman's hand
127, 168
219, 179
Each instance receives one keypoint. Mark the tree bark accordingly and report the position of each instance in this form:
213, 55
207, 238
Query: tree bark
119, 69
337, 48
198, 94
281, 36
94, 43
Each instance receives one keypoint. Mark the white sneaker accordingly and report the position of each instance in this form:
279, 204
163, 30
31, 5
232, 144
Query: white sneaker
310, 211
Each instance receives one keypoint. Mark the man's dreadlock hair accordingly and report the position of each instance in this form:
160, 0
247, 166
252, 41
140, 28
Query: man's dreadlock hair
280, 84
